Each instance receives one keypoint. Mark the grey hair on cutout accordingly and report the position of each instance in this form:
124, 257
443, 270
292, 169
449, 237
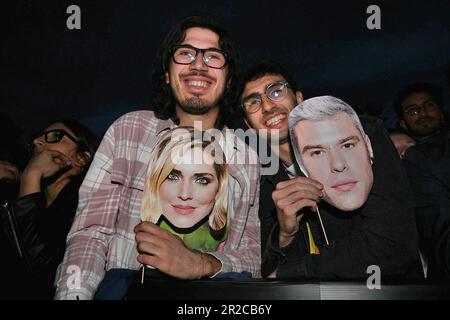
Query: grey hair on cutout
318, 109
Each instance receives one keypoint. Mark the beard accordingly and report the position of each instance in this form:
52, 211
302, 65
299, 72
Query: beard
275, 138
196, 105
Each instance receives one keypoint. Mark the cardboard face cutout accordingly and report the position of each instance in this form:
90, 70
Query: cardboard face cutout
334, 151
186, 191
187, 195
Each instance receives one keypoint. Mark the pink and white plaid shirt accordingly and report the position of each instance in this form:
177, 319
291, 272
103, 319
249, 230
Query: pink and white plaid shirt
102, 236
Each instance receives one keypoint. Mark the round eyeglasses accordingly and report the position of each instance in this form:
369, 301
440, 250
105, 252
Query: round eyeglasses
275, 91
186, 54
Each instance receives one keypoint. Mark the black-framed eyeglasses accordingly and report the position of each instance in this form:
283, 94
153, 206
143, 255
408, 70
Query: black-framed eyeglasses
275, 91
186, 54
415, 109
55, 136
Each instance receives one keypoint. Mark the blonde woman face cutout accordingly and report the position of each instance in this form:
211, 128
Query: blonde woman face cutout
188, 193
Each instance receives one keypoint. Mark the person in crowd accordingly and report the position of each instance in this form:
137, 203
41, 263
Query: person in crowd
185, 193
194, 84
428, 168
402, 141
294, 244
419, 108
12, 158
35, 225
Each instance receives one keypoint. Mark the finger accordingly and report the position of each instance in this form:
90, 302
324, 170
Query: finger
150, 238
294, 208
302, 180
149, 260
61, 161
56, 154
295, 188
12, 170
151, 228
298, 187
146, 247
296, 197
50, 158
145, 226
7, 175
138, 227
151, 233
6, 164
58, 157
142, 236
8, 167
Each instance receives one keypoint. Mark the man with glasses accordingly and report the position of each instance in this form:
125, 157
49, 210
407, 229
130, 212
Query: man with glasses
419, 108
295, 243
194, 81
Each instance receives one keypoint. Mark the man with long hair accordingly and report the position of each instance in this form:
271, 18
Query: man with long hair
194, 81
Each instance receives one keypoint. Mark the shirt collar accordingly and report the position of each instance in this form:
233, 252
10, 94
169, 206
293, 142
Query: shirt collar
164, 125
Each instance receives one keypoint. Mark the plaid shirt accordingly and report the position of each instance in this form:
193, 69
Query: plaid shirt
102, 236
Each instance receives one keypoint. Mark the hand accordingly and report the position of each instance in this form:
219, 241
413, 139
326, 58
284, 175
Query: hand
41, 165
273, 274
168, 253
8, 171
290, 197
46, 163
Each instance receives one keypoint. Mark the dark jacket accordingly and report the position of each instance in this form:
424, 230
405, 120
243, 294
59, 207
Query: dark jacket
428, 168
34, 239
382, 232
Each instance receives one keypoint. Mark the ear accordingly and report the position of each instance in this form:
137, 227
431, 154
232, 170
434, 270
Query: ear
166, 78
369, 145
299, 96
402, 124
82, 158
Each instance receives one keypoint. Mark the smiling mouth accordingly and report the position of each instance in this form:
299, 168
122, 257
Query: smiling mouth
198, 84
275, 120
183, 210
197, 81
345, 186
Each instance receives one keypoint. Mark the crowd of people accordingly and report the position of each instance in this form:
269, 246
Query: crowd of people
346, 195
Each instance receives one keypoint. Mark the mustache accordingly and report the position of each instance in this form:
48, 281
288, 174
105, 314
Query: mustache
424, 119
198, 73
274, 110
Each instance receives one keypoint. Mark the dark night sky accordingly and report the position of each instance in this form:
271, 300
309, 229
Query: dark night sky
103, 70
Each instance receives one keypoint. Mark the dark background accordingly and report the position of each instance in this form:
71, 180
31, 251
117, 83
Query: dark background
103, 70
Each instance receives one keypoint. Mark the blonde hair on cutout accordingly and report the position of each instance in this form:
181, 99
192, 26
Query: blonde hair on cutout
172, 146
